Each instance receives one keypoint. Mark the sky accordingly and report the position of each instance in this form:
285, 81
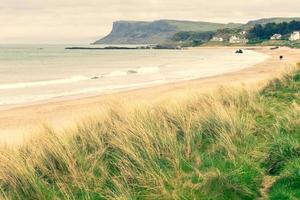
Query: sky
83, 21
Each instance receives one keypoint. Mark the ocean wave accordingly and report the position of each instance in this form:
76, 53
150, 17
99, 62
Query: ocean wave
147, 70
43, 83
141, 70
4, 101
116, 74
74, 79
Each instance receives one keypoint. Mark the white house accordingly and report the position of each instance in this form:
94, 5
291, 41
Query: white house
276, 37
217, 39
235, 39
295, 36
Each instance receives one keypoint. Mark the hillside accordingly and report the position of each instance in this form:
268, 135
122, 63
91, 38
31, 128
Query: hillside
273, 20
163, 31
132, 32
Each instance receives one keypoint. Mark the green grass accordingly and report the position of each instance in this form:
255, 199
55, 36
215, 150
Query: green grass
201, 26
281, 43
287, 43
213, 147
276, 20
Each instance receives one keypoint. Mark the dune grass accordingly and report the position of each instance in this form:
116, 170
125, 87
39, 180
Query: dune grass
214, 147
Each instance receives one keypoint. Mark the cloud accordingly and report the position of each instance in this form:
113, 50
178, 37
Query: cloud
65, 21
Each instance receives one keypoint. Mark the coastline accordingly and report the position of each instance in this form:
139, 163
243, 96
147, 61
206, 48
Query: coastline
21, 123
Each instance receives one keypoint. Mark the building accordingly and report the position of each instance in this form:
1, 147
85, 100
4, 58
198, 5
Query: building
235, 39
217, 39
295, 36
276, 37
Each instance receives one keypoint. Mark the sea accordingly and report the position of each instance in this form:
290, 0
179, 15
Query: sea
36, 73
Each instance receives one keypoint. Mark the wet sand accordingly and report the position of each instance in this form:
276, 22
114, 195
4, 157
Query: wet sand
19, 124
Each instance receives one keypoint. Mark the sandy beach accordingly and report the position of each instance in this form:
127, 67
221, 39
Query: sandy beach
19, 124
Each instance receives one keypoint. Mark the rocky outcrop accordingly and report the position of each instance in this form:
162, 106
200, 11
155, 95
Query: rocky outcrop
125, 32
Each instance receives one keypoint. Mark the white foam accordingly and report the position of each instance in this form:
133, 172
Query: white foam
92, 90
147, 70
116, 74
142, 70
74, 79
42, 83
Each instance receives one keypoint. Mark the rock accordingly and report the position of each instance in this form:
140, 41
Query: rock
239, 51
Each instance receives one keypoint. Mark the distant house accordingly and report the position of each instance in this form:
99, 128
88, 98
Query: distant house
235, 39
217, 39
276, 37
295, 36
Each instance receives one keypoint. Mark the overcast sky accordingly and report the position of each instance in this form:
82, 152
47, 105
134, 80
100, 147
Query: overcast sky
83, 21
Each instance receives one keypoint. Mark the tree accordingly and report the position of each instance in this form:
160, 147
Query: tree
256, 32
260, 32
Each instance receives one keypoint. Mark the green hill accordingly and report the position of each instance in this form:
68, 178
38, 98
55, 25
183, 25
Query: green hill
273, 20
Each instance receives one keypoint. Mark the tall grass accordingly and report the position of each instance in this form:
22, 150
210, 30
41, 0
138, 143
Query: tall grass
208, 146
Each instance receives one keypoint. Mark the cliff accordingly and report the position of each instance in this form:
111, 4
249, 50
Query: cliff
156, 32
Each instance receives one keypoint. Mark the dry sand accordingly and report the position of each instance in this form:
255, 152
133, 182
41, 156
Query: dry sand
19, 124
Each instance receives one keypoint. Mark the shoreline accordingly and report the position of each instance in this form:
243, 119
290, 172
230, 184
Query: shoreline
20, 123
203, 62
60, 97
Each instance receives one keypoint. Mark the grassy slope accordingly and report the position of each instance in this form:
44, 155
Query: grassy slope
285, 43
292, 44
212, 147
274, 20
201, 26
